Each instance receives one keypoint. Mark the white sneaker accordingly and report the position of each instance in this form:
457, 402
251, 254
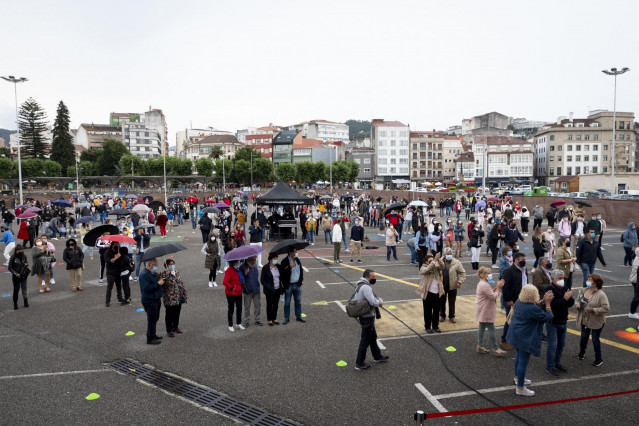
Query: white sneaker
56, 239
633, 316
219, 272
526, 382
214, 284
231, 329
495, 266
525, 392
240, 326
210, 284
51, 281
101, 281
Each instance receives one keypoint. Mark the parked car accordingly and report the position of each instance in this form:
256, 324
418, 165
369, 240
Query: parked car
577, 195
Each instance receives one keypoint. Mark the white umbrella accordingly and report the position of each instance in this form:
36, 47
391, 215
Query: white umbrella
417, 203
438, 184
428, 184
142, 208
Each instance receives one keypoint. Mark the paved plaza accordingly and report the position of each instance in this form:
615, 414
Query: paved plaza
60, 350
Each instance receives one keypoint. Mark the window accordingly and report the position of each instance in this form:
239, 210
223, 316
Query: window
367, 170
605, 158
595, 136
552, 158
605, 169
577, 171
393, 160
403, 170
393, 169
552, 137
569, 171
559, 158
569, 137
367, 160
586, 147
552, 147
560, 148
594, 169
627, 137
380, 143
587, 137
422, 146
358, 161
605, 148
558, 171
552, 171
381, 160
382, 133
414, 147
569, 147
569, 158
393, 142
620, 137
382, 152
578, 147
595, 158
578, 137
578, 158
382, 169
393, 152
403, 160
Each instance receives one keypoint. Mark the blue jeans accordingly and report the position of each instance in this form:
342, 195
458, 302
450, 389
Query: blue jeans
55, 233
138, 262
627, 259
328, 236
294, 290
102, 218
587, 269
400, 228
193, 222
390, 249
413, 254
310, 236
556, 339
583, 343
344, 240
521, 364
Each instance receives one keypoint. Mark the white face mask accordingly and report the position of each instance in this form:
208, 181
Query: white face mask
560, 283
212, 238
39, 243
489, 277
449, 257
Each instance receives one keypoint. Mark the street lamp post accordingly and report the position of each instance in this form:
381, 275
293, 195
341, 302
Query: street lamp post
77, 180
330, 162
614, 72
223, 174
15, 82
251, 170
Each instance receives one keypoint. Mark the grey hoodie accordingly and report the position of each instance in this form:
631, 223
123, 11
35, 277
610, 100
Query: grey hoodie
366, 292
538, 212
630, 239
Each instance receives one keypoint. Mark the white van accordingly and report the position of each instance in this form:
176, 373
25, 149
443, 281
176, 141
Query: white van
629, 192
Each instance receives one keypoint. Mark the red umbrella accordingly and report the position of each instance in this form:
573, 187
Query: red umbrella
210, 200
493, 199
558, 203
192, 200
27, 215
118, 238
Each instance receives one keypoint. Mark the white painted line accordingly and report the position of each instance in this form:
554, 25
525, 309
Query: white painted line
381, 345
429, 396
443, 333
305, 268
320, 284
341, 305
535, 384
59, 373
379, 281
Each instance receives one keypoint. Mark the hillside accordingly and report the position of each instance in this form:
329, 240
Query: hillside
358, 129
4, 134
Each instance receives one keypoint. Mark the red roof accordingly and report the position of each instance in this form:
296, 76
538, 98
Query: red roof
80, 148
269, 128
388, 123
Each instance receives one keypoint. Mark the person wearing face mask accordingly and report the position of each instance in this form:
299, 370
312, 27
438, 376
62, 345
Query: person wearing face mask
211, 250
142, 241
630, 243
174, 296
357, 237
634, 272
556, 328
476, 239
19, 268
566, 261
511, 233
505, 262
549, 236
41, 261
595, 224
113, 269
431, 289
541, 276
453, 275
514, 278
327, 226
603, 227
564, 228
485, 309
256, 231
292, 280
151, 291
74, 258
272, 287
336, 236
588, 251
368, 336
578, 230
251, 291
391, 242
592, 306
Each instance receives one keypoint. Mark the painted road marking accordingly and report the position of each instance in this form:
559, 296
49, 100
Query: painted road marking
608, 342
383, 276
341, 305
429, 396
379, 281
535, 384
327, 302
381, 346
320, 284
58, 373
305, 268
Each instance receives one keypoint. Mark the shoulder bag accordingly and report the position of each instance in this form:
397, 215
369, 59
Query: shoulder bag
357, 309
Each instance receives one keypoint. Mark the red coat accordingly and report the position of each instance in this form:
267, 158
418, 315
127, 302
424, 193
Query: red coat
23, 233
161, 220
232, 283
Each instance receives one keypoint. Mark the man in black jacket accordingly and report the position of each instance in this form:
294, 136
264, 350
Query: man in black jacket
292, 281
514, 278
357, 237
588, 251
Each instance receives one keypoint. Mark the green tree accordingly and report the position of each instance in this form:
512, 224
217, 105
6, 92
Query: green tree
241, 171
262, 170
204, 167
87, 168
223, 167
32, 121
304, 172
358, 129
184, 167
216, 152
132, 165
340, 172
319, 172
62, 149
6, 167
90, 155
52, 168
154, 167
5, 152
32, 167
285, 172
353, 171
244, 153
108, 163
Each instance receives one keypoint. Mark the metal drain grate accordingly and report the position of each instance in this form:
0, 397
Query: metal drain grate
200, 395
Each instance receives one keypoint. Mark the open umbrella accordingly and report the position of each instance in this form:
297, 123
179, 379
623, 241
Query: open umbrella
84, 219
326, 197
164, 249
209, 201
27, 215
493, 199
480, 204
132, 196
83, 205
23, 206
394, 206
118, 239
211, 210
583, 203
140, 208
92, 236
417, 203
284, 246
120, 212
222, 206
155, 205
605, 191
243, 252
147, 198
192, 199
34, 209
558, 203
311, 190
61, 202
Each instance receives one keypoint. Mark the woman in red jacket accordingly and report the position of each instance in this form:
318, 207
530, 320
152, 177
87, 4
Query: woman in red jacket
233, 281
161, 221
23, 233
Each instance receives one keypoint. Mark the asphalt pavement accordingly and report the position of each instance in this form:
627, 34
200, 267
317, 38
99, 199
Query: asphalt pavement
56, 352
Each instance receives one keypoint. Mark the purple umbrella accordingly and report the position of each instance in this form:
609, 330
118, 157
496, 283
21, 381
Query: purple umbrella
33, 209
222, 206
23, 206
480, 204
243, 252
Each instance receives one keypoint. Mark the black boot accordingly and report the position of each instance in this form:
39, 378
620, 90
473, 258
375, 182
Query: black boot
15, 306
26, 303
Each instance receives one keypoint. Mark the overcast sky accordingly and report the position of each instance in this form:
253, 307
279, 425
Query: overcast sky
233, 64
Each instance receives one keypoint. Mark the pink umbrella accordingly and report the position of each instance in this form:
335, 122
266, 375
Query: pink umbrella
27, 215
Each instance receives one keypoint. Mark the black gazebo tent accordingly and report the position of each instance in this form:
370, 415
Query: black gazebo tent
281, 193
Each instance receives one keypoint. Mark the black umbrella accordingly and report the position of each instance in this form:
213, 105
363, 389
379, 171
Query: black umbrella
394, 206
147, 198
162, 250
284, 246
378, 199
92, 236
84, 219
154, 205
583, 203
120, 212
211, 210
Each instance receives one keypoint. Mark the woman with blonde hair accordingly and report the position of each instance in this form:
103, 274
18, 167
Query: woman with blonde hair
485, 309
524, 333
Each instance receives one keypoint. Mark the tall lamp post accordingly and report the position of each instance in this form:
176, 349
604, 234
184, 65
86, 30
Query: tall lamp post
615, 72
251, 170
330, 162
15, 82
77, 180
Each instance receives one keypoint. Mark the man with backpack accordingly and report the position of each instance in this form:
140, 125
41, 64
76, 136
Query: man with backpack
367, 321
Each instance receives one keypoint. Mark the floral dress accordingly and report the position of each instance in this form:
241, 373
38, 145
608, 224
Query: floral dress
175, 292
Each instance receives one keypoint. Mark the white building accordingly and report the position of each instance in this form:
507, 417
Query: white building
187, 137
390, 139
509, 159
322, 130
145, 135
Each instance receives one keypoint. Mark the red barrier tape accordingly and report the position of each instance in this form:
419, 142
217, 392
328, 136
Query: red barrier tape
520, 406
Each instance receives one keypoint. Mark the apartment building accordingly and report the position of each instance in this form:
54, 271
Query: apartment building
390, 139
144, 134
365, 157
426, 156
580, 146
322, 130
504, 160
92, 136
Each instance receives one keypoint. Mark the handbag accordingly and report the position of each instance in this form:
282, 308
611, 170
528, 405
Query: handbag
357, 309
511, 314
